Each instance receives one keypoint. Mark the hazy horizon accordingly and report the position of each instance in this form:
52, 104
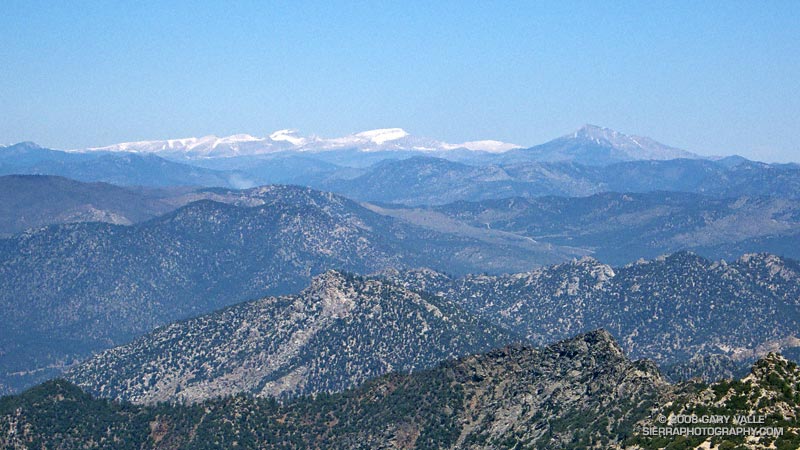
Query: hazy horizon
713, 78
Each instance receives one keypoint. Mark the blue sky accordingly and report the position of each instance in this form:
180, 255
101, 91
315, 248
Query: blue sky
711, 77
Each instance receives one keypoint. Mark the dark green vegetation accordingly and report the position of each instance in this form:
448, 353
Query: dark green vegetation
69, 290
769, 397
567, 395
576, 394
337, 333
693, 316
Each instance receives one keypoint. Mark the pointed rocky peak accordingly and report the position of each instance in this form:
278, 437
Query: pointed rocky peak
596, 343
596, 347
594, 336
611, 138
597, 133
598, 350
326, 282
594, 355
774, 367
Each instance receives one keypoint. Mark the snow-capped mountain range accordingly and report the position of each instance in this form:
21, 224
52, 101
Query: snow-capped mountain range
590, 145
385, 139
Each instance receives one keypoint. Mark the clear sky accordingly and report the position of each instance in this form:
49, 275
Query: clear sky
711, 77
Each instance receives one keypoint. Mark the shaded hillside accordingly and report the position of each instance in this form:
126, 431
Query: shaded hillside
576, 394
124, 169
34, 201
68, 290
570, 394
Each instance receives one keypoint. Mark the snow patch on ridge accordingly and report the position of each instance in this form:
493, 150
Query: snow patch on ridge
289, 136
383, 135
382, 139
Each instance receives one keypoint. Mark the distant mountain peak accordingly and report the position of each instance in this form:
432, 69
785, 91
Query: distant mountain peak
596, 145
612, 138
593, 342
594, 131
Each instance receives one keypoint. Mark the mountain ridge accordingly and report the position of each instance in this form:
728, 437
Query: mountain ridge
616, 228
591, 144
581, 392
427, 177
690, 329
680, 310
333, 335
383, 139
489, 400
94, 285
